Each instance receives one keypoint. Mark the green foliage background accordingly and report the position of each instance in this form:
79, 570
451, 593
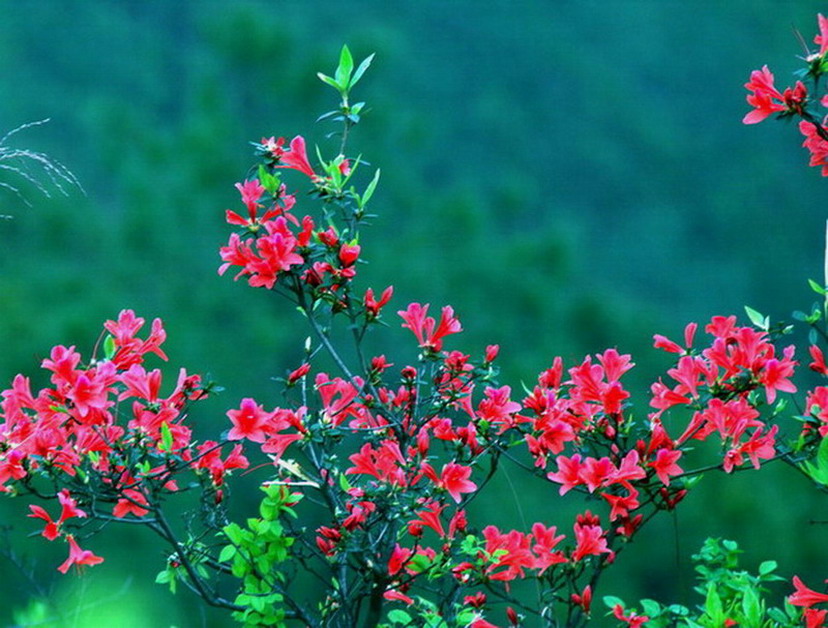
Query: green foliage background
569, 175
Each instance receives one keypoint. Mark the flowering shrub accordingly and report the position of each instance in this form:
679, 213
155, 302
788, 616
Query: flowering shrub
369, 468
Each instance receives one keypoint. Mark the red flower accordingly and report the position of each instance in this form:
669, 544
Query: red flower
776, 373
544, 547
298, 373
296, 157
589, 538
816, 145
763, 97
249, 422
818, 363
423, 326
822, 38
814, 618
399, 557
478, 600
660, 342
632, 619
455, 479
372, 305
348, 254
69, 509
803, 596
568, 474
393, 594
430, 517
584, 599
665, 464
132, 503
251, 191
78, 556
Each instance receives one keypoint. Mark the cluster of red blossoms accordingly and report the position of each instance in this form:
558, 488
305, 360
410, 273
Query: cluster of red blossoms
737, 362
424, 435
276, 241
420, 441
767, 100
104, 432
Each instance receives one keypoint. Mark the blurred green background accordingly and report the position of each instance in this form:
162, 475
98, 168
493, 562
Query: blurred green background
570, 176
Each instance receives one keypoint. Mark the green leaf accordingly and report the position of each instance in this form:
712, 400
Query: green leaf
418, 563
369, 191
611, 601
167, 577
822, 455
233, 532
345, 68
327, 79
166, 438
777, 615
268, 510
109, 347
767, 567
469, 545
713, 605
820, 290
757, 319
227, 552
752, 607
398, 616
269, 181
650, 607
814, 473
361, 70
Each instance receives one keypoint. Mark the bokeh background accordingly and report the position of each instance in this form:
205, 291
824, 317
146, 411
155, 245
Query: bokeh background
570, 176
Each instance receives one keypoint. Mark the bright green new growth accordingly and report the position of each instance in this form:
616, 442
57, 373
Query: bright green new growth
732, 596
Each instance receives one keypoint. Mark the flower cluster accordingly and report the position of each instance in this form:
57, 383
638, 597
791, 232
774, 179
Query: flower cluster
796, 101
386, 460
104, 432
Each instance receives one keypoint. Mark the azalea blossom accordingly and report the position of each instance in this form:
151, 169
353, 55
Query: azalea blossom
803, 596
423, 326
296, 157
455, 479
78, 556
766, 99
